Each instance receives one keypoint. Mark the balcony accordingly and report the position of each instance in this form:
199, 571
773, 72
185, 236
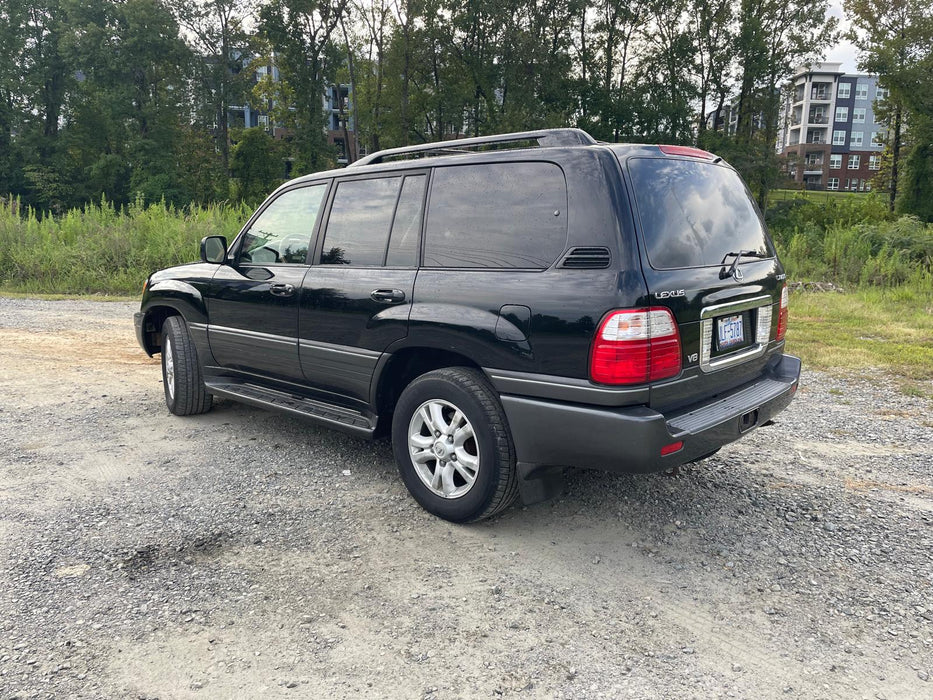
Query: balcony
818, 119
815, 139
819, 96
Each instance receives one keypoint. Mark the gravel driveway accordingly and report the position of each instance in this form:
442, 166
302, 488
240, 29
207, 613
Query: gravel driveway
246, 554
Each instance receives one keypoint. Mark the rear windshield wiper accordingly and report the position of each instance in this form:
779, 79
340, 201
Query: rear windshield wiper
738, 255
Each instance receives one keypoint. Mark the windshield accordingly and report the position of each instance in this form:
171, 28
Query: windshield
695, 213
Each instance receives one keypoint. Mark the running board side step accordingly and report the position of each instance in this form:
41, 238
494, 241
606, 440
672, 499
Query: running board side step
339, 417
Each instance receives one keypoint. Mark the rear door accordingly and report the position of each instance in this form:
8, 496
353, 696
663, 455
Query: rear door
706, 256
356, 299
253, 301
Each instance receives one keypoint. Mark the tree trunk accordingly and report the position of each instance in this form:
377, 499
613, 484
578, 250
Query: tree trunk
352, 153
895, 156
406, 79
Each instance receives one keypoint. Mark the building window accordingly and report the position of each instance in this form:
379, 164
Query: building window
833, 183
853, 163
844, 91
880, 94
858, 115
854, 186
867, 185
835, 161
861, 91
855, 140
877, 138
842, 113
839, 138
874, 162
861, 185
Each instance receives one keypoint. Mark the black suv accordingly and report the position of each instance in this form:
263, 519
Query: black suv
504, 306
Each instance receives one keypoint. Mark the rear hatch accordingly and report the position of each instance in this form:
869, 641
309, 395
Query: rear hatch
706, 256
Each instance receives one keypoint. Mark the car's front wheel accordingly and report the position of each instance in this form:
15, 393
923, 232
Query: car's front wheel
185, 394
452, 443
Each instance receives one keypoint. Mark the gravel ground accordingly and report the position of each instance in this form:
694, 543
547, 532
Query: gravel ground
246, 554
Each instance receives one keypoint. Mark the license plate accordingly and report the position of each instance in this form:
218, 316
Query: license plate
730, 331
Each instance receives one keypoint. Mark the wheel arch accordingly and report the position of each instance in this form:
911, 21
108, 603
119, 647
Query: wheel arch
397, 370
169, 298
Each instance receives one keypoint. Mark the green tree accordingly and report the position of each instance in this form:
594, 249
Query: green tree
894, 39
125, 109
215, 30
256, 163
774, 36
300, 31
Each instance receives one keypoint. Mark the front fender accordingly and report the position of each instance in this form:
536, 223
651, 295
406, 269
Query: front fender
183, 297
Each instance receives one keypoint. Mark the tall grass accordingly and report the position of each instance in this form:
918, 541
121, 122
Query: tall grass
852, 242
102, 249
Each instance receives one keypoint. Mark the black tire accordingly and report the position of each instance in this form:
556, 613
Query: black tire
184, 387
495, 484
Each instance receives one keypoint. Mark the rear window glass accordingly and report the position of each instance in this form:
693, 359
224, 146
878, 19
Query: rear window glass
496, 215
694, 213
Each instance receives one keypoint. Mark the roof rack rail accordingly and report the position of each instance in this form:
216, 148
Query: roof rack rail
544, 137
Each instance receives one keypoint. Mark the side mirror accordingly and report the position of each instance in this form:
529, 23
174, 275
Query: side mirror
214, 249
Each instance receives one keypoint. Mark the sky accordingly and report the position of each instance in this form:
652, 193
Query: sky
843, 52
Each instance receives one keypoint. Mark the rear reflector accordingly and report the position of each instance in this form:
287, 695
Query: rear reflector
782, 315
635, 346
672, 448
686, 151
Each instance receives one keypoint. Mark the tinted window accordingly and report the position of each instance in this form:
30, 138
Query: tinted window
358, 226
282, 232
406, 229
694, 213
496, 215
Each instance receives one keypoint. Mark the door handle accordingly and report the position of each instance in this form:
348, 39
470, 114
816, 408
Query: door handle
387, 296
282, 290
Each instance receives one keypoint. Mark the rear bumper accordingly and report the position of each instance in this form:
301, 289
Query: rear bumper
548, 433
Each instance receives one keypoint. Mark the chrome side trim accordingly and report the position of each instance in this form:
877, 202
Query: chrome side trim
339, 349
762, 332
268, 337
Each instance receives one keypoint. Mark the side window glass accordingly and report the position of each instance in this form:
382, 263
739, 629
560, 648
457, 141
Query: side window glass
406, 229
498, 215
360, 217
282, 232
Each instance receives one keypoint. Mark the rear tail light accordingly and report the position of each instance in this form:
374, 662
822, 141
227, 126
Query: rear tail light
782, 315
636, 346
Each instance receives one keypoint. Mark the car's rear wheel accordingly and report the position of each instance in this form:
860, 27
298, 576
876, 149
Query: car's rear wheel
452, 444
185, 394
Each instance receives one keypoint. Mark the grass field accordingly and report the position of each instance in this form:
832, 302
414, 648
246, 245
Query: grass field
864, 330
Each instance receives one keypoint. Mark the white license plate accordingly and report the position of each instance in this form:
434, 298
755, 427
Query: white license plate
730, 331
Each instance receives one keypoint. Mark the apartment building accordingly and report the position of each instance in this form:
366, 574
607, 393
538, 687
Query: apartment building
829, 129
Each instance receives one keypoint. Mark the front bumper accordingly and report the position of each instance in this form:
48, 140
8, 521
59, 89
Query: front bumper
548, 433
138, 320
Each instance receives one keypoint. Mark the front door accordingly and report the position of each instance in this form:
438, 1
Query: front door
356, 301
253, 301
